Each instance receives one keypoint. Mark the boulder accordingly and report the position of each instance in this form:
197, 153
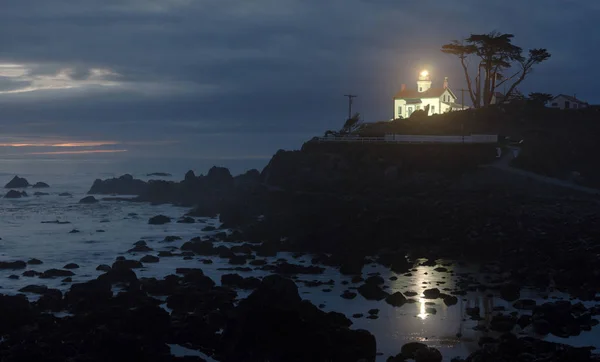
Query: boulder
103, 267
37, 193
55, 273
431, 293
65, 194
126, 264
71, 266
88, 200
397, 299
149, 259
428, 354
159, 220
13, 194
18, 264
449, 299
171, 238
140, 249
17, 183
186, 220
119, 275
372, 292
34, 261
40, 185
348, 294
200, 247
276, 305
35, 289
409, 350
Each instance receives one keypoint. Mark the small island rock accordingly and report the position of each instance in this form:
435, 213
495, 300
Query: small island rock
17, 183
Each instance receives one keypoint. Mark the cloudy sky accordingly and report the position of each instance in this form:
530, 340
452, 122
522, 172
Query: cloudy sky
242, 78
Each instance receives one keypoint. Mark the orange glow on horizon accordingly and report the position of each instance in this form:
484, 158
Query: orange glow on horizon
60, 144
75, 152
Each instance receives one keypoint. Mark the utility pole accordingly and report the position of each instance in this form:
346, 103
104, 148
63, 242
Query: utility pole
350, 97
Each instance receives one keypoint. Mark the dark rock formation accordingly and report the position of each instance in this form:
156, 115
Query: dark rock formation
34, 261
276, 304
19, 264
186, 220
161, 174
238, 281
123, 185
159, 220
149, 259
13, 194
71, 266
396, 299
88, 200
103, 267
37, 193
40, 185
372, 291
55, 273
17, 183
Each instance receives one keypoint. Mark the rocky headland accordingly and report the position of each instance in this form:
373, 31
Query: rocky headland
352, 204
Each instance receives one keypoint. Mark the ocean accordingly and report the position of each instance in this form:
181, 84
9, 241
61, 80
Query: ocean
108, 229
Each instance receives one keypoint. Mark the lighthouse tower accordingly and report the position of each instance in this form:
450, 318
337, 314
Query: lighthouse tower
424, 82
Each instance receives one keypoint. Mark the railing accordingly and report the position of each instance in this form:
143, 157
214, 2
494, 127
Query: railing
397, 138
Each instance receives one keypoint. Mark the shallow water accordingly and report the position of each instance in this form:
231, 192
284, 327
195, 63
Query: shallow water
24, 236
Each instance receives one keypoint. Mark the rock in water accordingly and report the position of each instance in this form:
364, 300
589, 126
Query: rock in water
13, 194
396, 299
40, 185
124, 185
432, 293
409, 350
53, 273
251, 333
159, 220
19, 264
17, 183
149, 259
161, 174
372, 292
88, 200
428, 354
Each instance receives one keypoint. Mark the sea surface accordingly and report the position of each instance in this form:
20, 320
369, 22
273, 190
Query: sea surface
108, 229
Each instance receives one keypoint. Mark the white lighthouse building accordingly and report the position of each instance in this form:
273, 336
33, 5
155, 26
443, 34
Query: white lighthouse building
439, 100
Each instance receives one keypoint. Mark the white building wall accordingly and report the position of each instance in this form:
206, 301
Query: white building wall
561, 102
436, 105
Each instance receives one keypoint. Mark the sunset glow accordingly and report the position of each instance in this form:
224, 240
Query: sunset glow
75, 152
59, 144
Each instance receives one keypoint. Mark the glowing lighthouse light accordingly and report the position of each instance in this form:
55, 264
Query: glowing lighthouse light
424, 73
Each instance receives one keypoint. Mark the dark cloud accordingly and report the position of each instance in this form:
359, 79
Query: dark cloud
197, 68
